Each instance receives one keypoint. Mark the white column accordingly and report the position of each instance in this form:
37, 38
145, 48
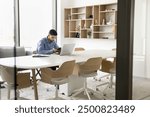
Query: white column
147, 49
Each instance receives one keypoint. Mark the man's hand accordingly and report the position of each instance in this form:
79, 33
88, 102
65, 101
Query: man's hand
54, 50
58, 50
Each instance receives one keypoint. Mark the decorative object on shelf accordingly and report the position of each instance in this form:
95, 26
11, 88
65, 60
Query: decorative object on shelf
109, 22
84, 26
91, 26
95, 22
90, 16
105, 38
69, 17
103, 22
89, 34
77, 28
77, 35
113, 29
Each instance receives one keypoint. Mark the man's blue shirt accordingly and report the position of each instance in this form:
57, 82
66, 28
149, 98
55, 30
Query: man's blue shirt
46, 46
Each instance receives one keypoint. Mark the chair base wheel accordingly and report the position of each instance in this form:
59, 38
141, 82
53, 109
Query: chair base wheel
97, 89
104, 94
63, 93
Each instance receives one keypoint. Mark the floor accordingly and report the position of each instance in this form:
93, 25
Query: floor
141, 91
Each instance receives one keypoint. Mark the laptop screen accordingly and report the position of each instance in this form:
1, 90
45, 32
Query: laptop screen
67, 49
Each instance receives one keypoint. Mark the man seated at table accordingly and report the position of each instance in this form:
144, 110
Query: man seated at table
48, 44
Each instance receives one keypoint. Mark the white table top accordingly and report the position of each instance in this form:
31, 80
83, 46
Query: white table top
29, 62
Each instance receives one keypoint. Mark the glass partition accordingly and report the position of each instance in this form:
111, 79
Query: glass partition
141, 57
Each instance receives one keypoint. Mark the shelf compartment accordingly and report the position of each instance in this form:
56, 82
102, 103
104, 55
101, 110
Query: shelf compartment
75, 34
75, 25
77, 17
103, 36
108, 14
67, 14
89, 12
78, 10
96, 15
104, 28
88, 23
83, 24
108, 7
107, 18
66, 28
83, 33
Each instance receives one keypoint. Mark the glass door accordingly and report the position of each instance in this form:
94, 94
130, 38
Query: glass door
141, 56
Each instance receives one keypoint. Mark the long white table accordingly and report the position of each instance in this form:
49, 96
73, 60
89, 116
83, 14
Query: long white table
29, 62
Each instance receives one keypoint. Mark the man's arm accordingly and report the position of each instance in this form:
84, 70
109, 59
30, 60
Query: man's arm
41, 49
56, 46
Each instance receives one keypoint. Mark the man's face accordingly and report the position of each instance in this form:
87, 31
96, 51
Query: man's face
52, 37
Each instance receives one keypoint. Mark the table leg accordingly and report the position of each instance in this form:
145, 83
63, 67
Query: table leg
34, 84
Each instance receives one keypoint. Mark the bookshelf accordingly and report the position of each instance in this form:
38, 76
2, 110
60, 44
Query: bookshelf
96, 21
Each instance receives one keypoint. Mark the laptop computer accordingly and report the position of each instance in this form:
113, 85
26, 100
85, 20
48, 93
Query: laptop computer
67, 49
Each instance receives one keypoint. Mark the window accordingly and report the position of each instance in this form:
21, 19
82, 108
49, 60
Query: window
36, 19
6, 22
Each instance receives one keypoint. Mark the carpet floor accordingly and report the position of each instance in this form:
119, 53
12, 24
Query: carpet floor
141, 91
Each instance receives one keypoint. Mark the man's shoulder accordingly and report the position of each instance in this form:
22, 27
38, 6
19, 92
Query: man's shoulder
43, 39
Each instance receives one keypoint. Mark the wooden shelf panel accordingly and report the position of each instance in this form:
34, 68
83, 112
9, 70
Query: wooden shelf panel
88, 19
105, 25
67, 20
74, 31
75, 19
78, 13
78, 10
110, 11
102, 32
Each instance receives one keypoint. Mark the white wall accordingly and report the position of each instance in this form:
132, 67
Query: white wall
139, 38
139, 26
141, 62
86, 43
147, 63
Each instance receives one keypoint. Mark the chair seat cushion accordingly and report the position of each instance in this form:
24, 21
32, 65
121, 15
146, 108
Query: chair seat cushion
59, 81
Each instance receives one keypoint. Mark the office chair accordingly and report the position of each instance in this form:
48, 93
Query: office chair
108, 67
22, 80
59, 76
86, 70
1, 83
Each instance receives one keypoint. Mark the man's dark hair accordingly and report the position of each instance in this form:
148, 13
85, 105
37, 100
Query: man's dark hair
53, 32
